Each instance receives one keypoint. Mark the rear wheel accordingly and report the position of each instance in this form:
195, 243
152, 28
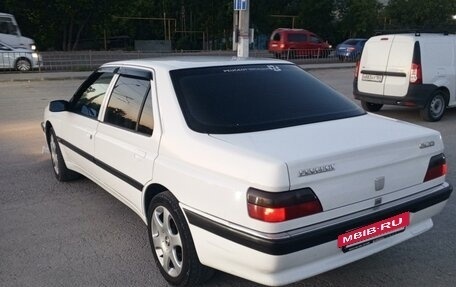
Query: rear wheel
172, 243
435, 108
371, 107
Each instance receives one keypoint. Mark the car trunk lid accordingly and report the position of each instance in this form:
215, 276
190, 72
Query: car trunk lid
350, 160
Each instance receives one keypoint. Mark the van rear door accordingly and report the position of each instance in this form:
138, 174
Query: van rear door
397, 76
385, 65
374, 61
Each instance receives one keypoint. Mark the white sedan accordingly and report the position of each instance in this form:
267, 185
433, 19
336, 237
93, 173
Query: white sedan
249, 166
19, 59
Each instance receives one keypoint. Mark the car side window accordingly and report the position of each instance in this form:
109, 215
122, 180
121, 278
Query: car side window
297, 37
87, 102
315, 39
130, 105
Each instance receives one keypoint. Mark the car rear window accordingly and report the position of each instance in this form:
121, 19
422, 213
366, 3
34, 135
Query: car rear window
236, 99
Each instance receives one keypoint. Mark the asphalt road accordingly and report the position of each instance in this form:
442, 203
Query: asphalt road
75, 234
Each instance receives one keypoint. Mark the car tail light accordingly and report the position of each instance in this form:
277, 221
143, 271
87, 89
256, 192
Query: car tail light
350, 49
416, 74
282, 206
437, 167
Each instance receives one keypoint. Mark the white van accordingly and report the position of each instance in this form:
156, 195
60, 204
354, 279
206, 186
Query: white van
415, 70
10, 33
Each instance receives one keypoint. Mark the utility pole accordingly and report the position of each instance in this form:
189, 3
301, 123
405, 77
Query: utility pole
243, 36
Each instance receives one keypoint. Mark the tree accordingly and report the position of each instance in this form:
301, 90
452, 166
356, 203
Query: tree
317, 16
420, 14
357, 18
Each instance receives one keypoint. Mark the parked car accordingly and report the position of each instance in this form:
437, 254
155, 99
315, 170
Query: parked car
413, 70
273, 183
19, 59
350, 49
291, 43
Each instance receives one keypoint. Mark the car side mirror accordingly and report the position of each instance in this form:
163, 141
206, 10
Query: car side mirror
58, 106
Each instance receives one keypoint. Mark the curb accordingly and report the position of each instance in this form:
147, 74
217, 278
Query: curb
43, 76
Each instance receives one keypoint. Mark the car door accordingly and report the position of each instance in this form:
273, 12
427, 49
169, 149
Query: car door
76, 127
126, 144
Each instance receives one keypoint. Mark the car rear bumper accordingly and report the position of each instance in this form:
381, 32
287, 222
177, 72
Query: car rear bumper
417, 96
282, 258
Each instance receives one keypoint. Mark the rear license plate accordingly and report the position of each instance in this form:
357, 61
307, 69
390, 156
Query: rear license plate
372, 78
368, 234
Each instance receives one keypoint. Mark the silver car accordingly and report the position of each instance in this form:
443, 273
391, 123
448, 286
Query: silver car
19, 59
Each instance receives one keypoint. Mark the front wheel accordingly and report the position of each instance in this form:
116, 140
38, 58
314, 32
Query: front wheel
172, 243
23, 65
62, 173
371, 107
435, 108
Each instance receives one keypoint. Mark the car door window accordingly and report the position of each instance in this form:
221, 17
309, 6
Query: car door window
297, 37
87, 102
146, 122
130, 106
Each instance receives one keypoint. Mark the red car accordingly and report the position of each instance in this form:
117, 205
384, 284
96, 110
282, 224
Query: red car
291, 43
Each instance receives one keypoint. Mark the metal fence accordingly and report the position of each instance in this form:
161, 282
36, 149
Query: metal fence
90, 60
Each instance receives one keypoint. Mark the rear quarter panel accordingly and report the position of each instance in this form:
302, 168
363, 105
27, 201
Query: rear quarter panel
438, 58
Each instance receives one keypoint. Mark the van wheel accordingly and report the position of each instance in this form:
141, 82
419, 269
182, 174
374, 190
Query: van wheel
435, 108
371, 107
172, 243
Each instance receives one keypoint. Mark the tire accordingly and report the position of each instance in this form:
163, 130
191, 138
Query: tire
172, 243
61, 172
435, 108
371, 107
23, 65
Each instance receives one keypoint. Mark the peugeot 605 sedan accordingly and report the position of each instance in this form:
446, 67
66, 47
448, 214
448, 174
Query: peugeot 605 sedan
248, 166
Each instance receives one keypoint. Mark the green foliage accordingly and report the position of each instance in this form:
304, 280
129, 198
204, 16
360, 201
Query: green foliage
207, 24
421, 14
358, 18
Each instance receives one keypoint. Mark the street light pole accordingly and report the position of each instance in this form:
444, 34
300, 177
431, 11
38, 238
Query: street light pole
243, 41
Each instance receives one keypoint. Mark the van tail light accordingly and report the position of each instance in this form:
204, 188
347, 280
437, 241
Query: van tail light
282, 206
437, 167
416, 73
357, 68
416, 76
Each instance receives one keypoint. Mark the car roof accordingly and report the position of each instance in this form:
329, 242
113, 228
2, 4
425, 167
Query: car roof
292, 30
355, 39
185, 62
